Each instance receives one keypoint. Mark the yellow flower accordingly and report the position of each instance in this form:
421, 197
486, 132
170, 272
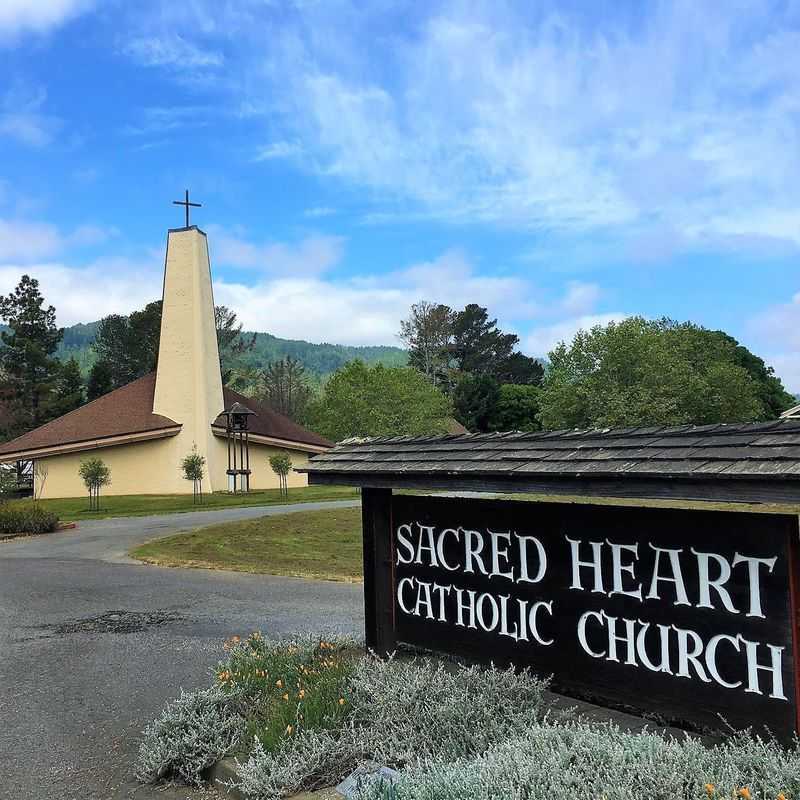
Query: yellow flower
709, 787
301, 694
744, 792
279, 683
286, 697
289, 730
341, 701
781, 796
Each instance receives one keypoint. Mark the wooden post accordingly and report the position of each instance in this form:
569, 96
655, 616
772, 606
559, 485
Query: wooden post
376, 520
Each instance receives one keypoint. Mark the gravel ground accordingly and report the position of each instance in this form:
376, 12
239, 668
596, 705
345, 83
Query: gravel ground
92, 645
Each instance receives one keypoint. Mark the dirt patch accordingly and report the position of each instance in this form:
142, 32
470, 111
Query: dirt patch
113, 622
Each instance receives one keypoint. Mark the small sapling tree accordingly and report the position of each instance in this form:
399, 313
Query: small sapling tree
192, 467
95, 474
281, 464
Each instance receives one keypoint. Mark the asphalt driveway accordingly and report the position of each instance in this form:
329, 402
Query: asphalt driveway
93, 644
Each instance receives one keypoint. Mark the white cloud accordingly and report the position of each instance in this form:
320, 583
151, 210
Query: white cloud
541, 340
22, 117
580, 297
276, 150
310, 256
37, 16
319, 211
776, 333
368, 309
667, 127
26, 241
171, 50
84, 294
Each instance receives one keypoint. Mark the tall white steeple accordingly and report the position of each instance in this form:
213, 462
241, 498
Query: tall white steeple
188, 378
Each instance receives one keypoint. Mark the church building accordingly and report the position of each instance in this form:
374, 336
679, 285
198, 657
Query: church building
143, 430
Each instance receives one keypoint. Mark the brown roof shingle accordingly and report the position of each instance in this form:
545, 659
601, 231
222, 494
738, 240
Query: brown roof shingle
126, 410
267, 422
129, 410
758, 452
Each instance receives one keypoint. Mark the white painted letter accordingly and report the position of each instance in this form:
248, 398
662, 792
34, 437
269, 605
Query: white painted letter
618, 568
755, 579
406, 543
582, 632
677, 576
595, 564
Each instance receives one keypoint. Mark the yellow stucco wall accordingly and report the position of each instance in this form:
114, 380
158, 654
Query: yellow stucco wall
262, 476
153, 468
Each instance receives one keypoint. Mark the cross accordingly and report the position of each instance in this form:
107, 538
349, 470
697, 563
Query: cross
187, 204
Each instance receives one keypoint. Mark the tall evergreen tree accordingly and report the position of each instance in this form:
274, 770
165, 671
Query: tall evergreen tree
100, 381
428, 334
26, 357
232, 343
286, 389
68, 394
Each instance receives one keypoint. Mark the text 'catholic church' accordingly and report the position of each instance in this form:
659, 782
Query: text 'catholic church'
143, 430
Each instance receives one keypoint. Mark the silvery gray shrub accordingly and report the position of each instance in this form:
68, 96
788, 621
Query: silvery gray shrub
192, 733
582, 760
401, 711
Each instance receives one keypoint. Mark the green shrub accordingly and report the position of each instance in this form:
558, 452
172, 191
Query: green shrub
26, 516
289, 685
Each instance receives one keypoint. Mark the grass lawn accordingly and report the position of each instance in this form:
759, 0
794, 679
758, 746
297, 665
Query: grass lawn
306, 544
75, 508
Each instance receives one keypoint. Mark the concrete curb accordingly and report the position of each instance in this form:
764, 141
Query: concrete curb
224, 771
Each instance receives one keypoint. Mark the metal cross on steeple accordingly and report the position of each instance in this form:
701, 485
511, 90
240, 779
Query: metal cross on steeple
186, 203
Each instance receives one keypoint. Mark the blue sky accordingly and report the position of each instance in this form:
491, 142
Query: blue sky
562, 163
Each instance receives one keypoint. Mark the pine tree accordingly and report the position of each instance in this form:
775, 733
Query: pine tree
101, 381
286, 389
68, 394
26, 359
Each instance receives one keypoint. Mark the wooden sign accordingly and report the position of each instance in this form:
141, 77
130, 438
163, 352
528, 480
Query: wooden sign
686, 614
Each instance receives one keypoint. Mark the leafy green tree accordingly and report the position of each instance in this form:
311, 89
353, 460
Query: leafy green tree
100, 381
281, 464
445, 345
428, 334
231, 342
68, 394
95, 474
286, 389
193, 469
128, 346
517, 408
645, 372
475, 401
361, 400
28, 368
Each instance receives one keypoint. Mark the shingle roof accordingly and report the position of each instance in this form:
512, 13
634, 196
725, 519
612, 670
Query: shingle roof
759, 451
126, 410
267, 422
129, 410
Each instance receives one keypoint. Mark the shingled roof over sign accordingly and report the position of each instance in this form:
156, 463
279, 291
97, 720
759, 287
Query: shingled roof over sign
656, 461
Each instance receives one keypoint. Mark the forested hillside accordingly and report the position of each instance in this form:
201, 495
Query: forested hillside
318, 359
